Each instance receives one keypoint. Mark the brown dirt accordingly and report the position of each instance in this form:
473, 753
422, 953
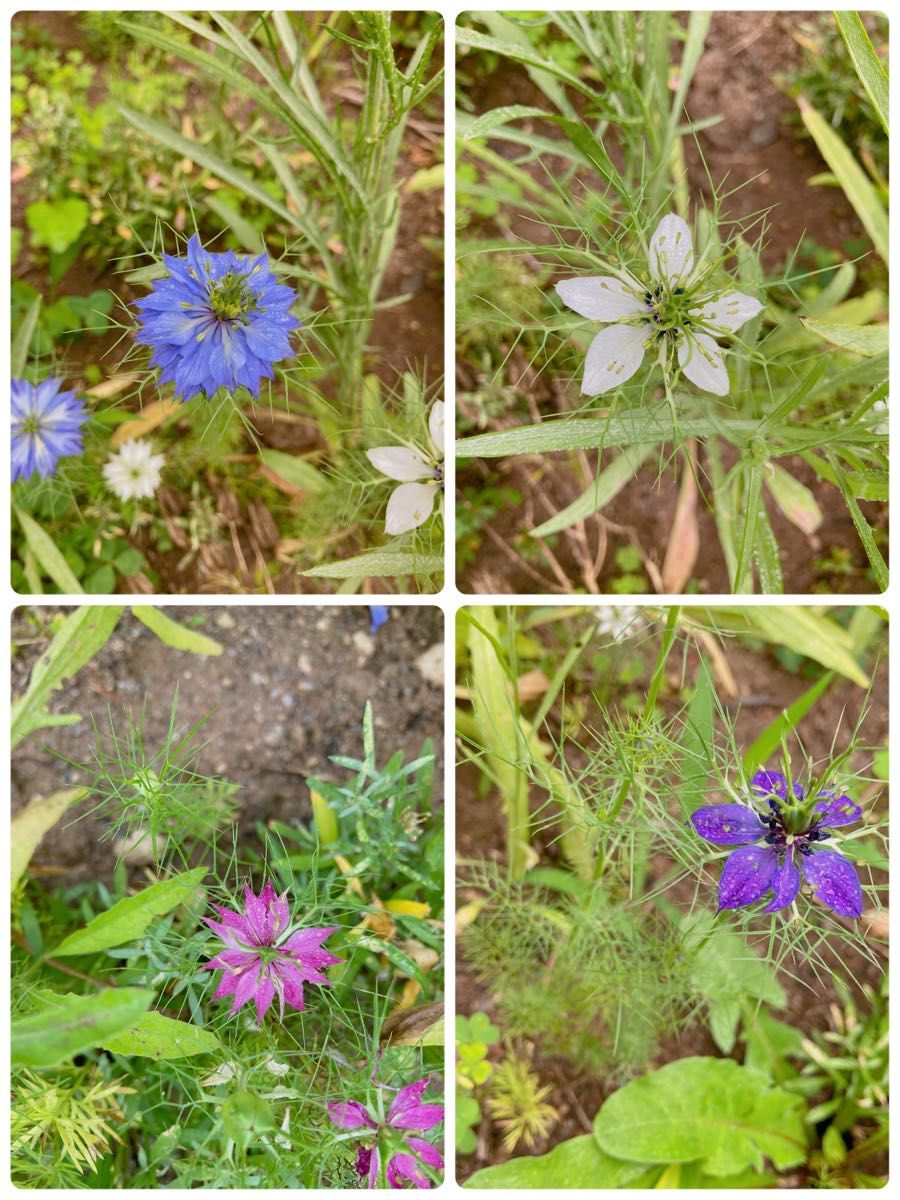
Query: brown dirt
287, 694
765, 688
756, 147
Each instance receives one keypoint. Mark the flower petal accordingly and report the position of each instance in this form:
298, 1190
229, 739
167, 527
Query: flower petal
399, 463
671, 250
786, 884
350, 1114
773, 783
409, 506
404, 1166
407, 1111
834, 880
613, 357
436, 426
834, 810
728, 824
747, 875
729, 311
600, 298
703, 362
429, 1154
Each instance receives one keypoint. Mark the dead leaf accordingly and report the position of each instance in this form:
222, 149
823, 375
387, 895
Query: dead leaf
684, 539
151, 417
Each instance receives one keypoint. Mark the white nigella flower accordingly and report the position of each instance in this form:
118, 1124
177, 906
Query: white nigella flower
677, 307
421, 476
133, 472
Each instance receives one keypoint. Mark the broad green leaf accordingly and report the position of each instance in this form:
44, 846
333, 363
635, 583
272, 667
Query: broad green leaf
82, 634
577, 1163
128, 918
57, 224
21, 342
326, 822
708, 1110
868, 65
407, 966
156, 1036
173, 634
867, 340
74, 1024
384, 563
47, 555
794, 498
607, 485
485, 125
245, 1116
30, 825
770, 1043
295, 471
850, 175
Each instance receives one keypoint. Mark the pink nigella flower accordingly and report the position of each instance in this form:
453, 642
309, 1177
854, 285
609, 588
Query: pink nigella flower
261, 958
390, 1144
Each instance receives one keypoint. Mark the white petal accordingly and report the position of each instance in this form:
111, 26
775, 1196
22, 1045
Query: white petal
613, 356
436, 426
703, 363
600, 298
671, 250
728, 311
398, 463
410, 504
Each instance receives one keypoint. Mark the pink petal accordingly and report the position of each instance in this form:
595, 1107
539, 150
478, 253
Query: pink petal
429, 1154
404, 1166
350, 1114
306, 940
408, 1113
264, 995
246, 987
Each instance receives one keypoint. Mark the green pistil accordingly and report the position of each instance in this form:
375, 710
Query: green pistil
797, 818
668, 310
231, 298
31, 425
267, 954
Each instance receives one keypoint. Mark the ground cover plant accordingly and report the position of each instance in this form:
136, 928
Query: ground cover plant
227, 898
672, 903
227, 298
672, 302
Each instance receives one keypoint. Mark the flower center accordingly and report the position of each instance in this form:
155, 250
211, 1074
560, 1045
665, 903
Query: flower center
31, 425
667, 310
231, 298
268, 954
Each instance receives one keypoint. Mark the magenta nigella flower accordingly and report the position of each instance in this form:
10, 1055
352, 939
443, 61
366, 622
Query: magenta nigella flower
403, 1155
262, 958
787, 837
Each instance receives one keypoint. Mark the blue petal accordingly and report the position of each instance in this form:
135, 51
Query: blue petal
747, 875
785, 883
836, 810
834, 880
728, 824
773, 783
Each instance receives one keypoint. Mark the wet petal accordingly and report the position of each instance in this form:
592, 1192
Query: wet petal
671, 250
409, 506
728, 824
747, 875
729, 311
407, 1111
404, 1166
427, 1153
835, 882
600, 298
350, 1114
399, 463
436, 426
836, 810
263, 996
613, 357
786, 884
703, 362
773, 783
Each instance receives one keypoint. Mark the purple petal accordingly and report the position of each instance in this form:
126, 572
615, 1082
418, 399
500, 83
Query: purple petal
832, 811
350, 1114
245, 988
773, 783
728, 824
367, 1161
404, 1166
786, 884
426, 1152
408, 1113
834, 880
263, 996
258, 913
306, 940
747, 875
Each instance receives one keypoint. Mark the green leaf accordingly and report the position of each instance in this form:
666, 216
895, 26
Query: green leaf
770, 1043
850, 175
607, 485
577, 1163
173, 634
697, 741
708, 1110
129, 918
770, 738
867, 340
156, 1036
325, 819
295, 471
48, 556
30, 825
74, 1024
485, 125
82, 634
21, 342
57, 224
868, 65
407, 966
245, 1116
794, 498
383, 563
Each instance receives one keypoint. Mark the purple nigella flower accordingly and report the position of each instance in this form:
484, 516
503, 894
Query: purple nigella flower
403, 1155
46, 426
261, 958
217, 321
782, 843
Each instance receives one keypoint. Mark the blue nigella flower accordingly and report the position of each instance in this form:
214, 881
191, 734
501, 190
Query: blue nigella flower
379, 613
46, 426
217, 321
781, 844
